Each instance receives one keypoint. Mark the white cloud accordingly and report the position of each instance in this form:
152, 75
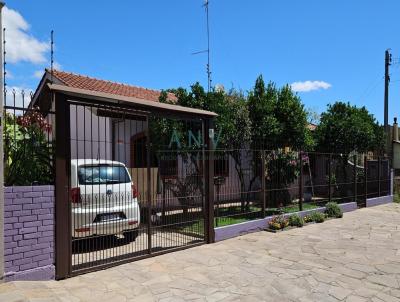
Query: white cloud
310, 86
18, 92
21, 45
38, 74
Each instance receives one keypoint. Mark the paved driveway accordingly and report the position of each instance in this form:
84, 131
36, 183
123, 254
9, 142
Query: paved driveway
356, 258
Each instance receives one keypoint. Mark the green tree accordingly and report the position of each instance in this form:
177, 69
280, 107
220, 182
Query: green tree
278, 117
232, 130
345, 128
278, 120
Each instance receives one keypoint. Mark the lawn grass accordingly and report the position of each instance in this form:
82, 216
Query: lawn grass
396, 197
224, 221
290, 209
198, 226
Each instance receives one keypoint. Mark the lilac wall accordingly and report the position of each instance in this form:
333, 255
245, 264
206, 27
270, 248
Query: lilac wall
29, 233
371, 202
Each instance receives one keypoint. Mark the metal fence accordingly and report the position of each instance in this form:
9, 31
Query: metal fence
28, 141
293, 181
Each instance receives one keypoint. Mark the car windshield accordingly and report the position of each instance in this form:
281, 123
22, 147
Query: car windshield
102, 174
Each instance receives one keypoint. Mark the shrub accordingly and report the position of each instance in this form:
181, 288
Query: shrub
278, 223
317, 217
307, 219
28, 153
296, 220
333, 210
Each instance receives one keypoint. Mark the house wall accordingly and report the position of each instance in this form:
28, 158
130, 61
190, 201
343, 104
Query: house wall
91, 135
123, 132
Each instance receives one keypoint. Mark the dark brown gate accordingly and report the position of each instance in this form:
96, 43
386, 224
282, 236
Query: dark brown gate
130, 183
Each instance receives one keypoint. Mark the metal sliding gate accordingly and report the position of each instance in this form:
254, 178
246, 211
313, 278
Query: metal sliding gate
136, 186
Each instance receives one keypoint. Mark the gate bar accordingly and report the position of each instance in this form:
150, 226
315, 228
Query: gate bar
148, 197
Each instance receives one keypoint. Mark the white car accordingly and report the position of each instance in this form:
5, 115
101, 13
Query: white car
104, 199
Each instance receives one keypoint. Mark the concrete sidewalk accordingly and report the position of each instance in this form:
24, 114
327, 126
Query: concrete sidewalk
356, 258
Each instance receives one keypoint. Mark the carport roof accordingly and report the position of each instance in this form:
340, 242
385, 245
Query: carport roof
139, 103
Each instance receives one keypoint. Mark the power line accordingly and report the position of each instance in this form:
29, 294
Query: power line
370, 88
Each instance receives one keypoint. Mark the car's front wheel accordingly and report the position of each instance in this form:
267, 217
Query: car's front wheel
131, 235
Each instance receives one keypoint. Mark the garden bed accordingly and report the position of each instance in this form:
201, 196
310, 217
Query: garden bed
230, 231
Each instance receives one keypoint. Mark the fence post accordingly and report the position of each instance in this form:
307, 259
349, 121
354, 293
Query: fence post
148, 185
262, 176
208, 162
379, 175
355, 176
330, 178
365, 179
2, 125
301, 182
62, 203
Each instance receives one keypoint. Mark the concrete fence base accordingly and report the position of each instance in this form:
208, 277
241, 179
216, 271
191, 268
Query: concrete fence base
235, 230
371, 202
29, 233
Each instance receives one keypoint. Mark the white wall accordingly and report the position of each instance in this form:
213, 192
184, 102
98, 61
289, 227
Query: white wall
90, 134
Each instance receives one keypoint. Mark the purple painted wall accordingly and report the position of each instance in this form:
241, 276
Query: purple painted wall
371, 202
29, 233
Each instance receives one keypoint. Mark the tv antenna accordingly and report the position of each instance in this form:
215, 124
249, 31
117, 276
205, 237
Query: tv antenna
51, 55
205, 5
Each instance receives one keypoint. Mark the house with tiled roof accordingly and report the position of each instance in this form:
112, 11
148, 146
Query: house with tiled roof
98, 130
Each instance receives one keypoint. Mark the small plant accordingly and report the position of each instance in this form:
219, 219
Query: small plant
307, 219
278, 223
296, 220
333, 210
317, 217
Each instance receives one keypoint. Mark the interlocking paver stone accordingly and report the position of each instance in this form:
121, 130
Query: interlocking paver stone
356, 258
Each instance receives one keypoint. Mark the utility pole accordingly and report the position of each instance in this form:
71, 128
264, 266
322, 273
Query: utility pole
388, 61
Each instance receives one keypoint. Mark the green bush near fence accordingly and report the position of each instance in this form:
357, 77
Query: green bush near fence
317, 217
28, 153
332, 209
296, 220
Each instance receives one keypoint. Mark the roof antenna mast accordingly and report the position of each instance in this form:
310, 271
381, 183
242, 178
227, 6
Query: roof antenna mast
51, 55
208, 48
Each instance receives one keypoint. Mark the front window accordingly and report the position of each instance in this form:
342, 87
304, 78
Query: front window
102, 175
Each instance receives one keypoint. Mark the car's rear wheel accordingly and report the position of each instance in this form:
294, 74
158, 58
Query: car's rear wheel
131, 235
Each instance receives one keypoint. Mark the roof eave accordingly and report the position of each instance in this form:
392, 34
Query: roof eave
107, 97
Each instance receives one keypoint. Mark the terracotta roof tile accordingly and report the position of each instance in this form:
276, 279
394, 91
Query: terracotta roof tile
312, 127
84, 82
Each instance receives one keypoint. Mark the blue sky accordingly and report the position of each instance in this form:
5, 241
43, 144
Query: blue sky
338, 45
